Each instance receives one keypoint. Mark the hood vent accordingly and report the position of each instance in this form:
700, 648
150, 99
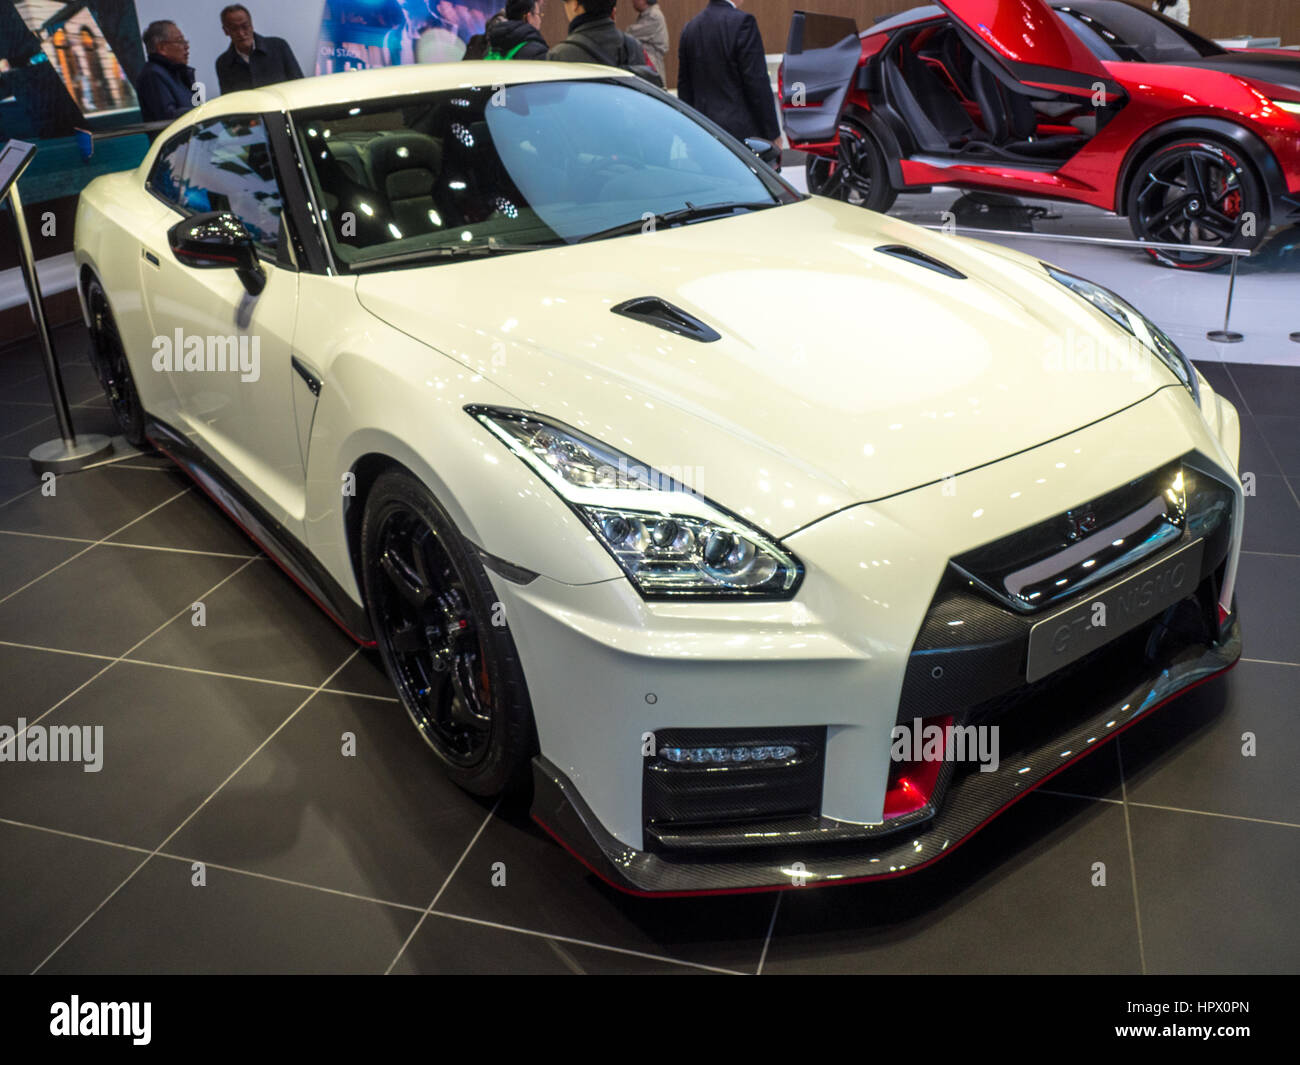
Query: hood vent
911, 255
660, 313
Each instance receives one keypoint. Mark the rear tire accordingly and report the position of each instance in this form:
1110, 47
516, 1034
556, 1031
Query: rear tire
108, 357
1198, 191
857, 174
442, 635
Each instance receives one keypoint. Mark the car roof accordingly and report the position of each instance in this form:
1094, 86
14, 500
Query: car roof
903, 18
356, 85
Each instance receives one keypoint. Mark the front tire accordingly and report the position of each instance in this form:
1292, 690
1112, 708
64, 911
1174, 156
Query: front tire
1198, 191
443, 637
857, 174
108, 357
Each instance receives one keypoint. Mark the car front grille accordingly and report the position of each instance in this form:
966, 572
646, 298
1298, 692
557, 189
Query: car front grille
974, 673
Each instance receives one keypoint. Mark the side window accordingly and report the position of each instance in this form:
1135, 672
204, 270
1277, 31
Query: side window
228, 168
168, 169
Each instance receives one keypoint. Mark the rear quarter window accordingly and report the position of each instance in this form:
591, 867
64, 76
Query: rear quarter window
166, 178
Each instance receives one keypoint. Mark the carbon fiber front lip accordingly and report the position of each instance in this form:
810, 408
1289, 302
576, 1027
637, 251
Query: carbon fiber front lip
971, 801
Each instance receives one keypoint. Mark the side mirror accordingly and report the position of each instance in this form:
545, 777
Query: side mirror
765, 150
218, 239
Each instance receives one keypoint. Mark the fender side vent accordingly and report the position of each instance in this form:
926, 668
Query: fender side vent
660, 313
911, 255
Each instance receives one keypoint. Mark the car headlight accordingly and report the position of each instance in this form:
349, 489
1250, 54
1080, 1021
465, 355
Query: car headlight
670, 541
1134, 322
1288, 105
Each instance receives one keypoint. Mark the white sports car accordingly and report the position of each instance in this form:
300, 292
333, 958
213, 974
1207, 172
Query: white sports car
777, 541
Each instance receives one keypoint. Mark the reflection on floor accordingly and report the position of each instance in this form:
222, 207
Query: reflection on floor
222, 746
1186, 304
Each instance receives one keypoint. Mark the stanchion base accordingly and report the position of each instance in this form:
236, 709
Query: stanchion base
56, 456
1224, 336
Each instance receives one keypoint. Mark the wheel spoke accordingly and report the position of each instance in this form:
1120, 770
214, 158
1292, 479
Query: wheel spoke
467, 708
1195, 167
1219, 224
404, 579
1167, 216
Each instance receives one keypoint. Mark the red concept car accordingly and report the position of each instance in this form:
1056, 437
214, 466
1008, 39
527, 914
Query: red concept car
1098, 101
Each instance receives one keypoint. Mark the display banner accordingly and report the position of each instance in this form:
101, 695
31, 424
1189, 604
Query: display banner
65, 66
67, 70
359, 34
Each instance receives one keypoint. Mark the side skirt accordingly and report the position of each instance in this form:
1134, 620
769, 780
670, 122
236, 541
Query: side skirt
285, 550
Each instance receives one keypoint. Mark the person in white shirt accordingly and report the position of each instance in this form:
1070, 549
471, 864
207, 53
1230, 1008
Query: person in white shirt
1175, 9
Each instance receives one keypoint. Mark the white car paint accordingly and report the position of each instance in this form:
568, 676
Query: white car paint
878, 416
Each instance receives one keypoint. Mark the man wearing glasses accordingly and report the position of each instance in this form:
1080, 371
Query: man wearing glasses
252, 60
166, 86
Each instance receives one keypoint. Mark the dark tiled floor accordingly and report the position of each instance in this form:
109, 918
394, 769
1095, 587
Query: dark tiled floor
224, 746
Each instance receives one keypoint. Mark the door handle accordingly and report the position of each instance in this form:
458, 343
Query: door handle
313, 382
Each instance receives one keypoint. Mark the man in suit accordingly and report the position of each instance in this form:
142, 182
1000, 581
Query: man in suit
722, 71
166, 86
252, 60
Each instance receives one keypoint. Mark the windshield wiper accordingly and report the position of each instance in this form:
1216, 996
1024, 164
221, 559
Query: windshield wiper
689, 213
491, 246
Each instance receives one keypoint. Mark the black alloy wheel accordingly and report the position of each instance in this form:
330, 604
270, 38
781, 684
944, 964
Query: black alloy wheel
444, 637
1197, 192
857, 174
108, 356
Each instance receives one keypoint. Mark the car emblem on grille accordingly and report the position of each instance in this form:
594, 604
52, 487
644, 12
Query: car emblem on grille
1079, 523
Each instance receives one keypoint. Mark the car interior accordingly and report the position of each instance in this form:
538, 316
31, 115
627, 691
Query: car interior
381, 181
405, 177
398, 180
953, 102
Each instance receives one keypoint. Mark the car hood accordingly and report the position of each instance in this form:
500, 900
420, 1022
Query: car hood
1262, 66
841, 374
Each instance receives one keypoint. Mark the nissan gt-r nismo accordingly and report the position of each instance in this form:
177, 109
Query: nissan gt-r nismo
682, 494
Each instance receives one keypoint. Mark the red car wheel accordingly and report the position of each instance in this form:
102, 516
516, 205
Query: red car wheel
857, 174
1199, 193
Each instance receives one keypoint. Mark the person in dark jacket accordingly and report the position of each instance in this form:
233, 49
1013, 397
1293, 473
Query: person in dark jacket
593, 37
477, 46
252, 60
722, 71
522, 29
166, 86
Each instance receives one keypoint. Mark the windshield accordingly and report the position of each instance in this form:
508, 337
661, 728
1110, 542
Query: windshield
516, 167
1115, 31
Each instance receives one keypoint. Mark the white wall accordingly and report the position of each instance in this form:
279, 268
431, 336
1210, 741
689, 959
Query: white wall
297, 21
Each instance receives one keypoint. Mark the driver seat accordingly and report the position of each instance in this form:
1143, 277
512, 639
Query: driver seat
405, 167
1011, 120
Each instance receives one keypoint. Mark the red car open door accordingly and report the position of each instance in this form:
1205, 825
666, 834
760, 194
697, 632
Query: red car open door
1032, 45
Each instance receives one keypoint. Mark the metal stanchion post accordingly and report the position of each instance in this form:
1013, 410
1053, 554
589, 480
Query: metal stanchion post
68, 452
1226, 335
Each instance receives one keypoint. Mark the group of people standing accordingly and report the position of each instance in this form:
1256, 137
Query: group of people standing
721, 66
167, 86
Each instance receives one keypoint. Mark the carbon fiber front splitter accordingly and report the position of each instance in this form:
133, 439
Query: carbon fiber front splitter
972, 800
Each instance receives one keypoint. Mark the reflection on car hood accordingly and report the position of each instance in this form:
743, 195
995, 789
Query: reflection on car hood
1283, 70
841, 374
